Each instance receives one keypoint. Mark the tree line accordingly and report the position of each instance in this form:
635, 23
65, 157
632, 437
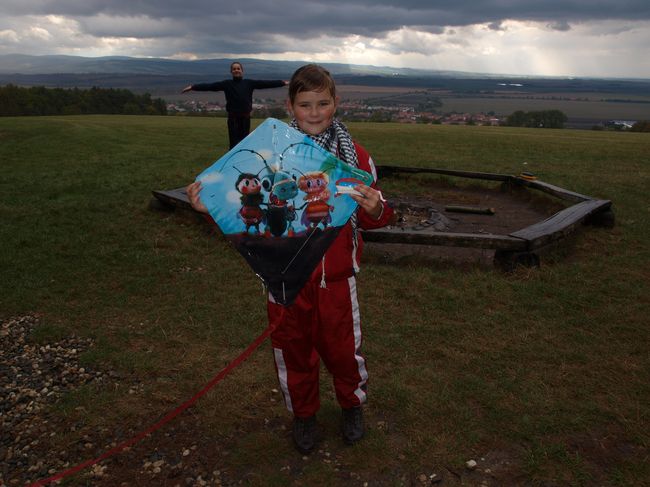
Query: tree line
641, 126
39, 100
550, 119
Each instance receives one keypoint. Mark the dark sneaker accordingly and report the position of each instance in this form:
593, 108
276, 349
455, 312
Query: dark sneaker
304, 434
352, 425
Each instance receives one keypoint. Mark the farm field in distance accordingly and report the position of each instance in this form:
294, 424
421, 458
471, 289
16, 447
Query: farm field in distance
588, 107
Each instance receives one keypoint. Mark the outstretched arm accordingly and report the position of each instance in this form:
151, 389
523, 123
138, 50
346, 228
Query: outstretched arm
187, 88
260, 84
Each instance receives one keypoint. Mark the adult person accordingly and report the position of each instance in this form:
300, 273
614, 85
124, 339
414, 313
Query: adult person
239, 99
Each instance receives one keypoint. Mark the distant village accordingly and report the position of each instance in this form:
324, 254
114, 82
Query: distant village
349, 110
367, 111
423, 109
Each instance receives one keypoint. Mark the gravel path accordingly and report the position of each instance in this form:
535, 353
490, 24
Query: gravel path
32, 378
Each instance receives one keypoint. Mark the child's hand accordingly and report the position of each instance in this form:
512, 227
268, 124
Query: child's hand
370, 201
193, 195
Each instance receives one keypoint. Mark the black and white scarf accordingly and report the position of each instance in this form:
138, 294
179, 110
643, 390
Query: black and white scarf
337, 139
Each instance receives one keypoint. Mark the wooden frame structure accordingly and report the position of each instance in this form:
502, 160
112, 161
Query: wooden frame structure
517, 248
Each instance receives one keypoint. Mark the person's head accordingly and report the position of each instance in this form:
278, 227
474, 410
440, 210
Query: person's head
237, 70
312, 98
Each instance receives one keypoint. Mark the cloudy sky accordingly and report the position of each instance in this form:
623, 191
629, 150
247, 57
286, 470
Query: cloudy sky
607, 38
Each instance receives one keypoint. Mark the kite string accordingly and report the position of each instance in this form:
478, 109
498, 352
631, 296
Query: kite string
171, 415
302, 246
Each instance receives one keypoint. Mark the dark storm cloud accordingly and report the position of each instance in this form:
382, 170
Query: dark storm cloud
220, 25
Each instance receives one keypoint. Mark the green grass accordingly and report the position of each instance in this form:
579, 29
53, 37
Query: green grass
464, 362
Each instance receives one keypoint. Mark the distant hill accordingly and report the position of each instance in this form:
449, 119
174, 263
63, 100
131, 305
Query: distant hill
25, 64
164, 76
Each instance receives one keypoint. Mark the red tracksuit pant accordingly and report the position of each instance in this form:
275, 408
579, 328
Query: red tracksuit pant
321, 323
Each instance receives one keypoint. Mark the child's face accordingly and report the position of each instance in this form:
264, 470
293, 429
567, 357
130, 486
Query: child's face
313, 110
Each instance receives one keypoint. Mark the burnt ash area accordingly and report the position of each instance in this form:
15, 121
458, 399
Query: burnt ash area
512, 209
424, 207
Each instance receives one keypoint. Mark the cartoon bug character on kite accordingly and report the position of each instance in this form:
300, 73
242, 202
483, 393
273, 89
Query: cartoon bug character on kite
282, 187
250, 188
317, 209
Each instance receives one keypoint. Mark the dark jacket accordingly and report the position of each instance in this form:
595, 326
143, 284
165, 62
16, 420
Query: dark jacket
239, 92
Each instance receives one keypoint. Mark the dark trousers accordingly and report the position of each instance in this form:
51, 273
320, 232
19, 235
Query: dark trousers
239, 126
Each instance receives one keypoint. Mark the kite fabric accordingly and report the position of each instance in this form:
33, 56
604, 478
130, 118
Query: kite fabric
281, 200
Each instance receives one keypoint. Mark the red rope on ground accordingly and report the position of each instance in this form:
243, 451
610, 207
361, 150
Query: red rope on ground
217, 378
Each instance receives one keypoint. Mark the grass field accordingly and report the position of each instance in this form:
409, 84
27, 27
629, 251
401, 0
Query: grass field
541, 376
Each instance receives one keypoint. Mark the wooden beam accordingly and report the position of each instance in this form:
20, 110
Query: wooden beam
564, 194
551, 189
470, 209
428, 237
387, 171
560, 224
174, 197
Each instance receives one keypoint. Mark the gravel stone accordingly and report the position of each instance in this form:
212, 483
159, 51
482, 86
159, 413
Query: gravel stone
32, 378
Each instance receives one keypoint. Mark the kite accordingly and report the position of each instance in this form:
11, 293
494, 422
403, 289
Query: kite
281, 200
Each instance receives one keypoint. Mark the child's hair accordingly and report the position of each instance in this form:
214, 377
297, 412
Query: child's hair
236, 62
311, 77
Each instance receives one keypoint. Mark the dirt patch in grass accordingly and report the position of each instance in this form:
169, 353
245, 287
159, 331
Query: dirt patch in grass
427, 206
509, 210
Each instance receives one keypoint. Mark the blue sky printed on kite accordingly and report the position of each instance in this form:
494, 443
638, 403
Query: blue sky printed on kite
280, 199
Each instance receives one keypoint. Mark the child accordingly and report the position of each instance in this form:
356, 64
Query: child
323, 321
